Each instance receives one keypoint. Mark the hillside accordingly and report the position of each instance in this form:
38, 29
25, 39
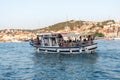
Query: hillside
108, 28
78, 26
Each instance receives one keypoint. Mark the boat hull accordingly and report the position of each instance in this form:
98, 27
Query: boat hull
68, 50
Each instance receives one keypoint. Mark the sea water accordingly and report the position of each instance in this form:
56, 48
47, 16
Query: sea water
20, 61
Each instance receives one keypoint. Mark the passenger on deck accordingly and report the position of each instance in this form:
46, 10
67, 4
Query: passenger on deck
70, 43
53, 43
84, 42
80, 42
32, 41
77, 43
37, 40
93, 38
60, 42
64, 44
46, 42
90, 40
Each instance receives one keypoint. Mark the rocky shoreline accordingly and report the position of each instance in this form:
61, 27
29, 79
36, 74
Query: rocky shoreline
14, 35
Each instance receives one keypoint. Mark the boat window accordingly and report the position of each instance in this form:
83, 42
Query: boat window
46, 41
53, 42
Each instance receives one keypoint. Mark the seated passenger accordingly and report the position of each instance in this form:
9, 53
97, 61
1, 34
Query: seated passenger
53, 43
70, 43
60, 43
77, 43
84, 42
64, 44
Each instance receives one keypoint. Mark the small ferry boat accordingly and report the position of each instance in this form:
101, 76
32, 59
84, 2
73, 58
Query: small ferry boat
63, 43
116, 38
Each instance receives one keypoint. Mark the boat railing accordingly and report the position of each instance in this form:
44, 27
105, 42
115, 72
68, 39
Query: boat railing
76, 44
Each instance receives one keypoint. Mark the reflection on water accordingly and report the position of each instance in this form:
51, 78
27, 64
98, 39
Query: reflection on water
88, 58
62, 66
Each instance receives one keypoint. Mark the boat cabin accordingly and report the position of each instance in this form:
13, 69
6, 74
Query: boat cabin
49, 39
58, 40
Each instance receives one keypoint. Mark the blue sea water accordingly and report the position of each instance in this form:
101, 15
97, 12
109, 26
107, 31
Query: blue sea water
19, 61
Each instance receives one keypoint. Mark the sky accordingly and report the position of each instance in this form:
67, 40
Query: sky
34, 14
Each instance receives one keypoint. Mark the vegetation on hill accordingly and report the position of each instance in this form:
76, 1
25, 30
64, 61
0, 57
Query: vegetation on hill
71, 24
108, 22
99, 34
61, 26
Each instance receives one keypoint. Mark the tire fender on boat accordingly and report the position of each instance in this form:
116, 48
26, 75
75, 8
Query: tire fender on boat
37, 49
86, 49
46, 51
58, 50
70, 50
80, 50
91, 52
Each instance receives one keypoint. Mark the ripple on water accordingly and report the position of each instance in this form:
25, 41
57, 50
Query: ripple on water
20, 62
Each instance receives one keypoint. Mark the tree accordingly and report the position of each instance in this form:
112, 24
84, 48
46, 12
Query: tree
99, 34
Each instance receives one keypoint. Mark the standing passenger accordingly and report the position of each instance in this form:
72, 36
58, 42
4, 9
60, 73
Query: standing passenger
80, 43
38, 41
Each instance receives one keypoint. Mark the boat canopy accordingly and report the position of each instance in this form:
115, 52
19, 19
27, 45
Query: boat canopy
61, 34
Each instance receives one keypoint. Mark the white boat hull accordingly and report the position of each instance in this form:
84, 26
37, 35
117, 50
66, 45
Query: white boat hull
68, 50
